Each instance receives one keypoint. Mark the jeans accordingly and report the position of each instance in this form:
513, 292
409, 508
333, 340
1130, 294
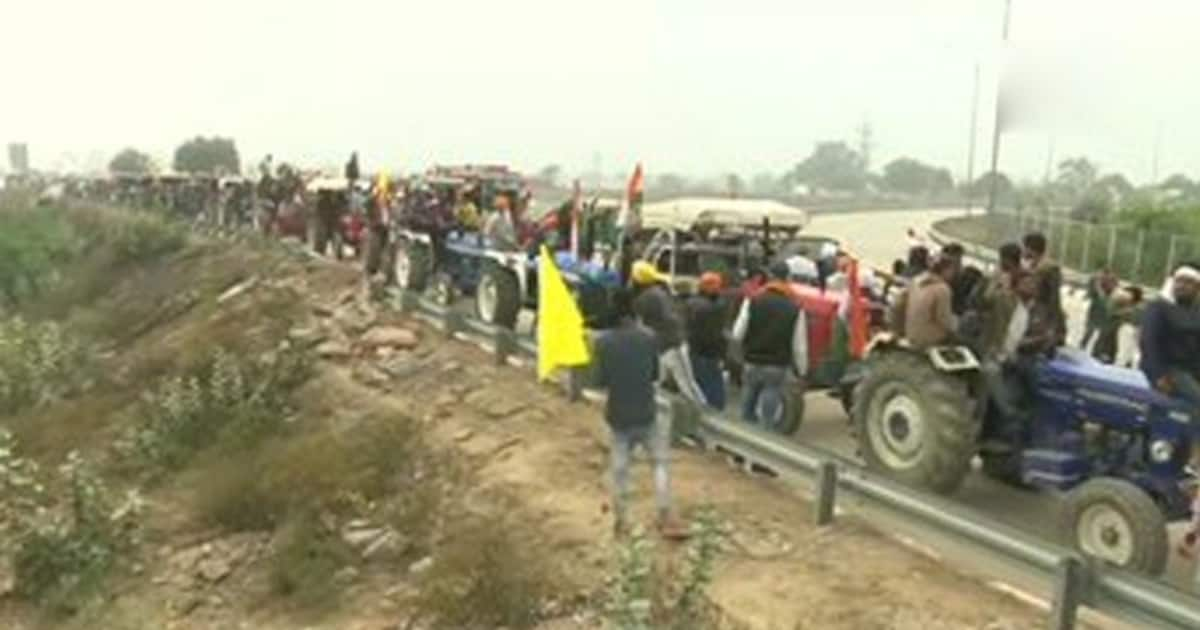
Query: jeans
711, 379
763, 400
655, 439
674, 366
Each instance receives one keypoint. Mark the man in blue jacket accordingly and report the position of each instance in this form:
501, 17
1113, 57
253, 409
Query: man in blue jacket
1170, 342
627, 363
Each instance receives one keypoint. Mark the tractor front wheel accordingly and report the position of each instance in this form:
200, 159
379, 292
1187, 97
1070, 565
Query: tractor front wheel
1118, 523
498, 297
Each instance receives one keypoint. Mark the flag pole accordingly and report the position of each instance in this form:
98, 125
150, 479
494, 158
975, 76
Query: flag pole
576, 199
991, 207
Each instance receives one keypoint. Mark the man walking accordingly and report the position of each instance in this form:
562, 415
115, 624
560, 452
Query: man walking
657, 310
626, 364
706, 338
774, 337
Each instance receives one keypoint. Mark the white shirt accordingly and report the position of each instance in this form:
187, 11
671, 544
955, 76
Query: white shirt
1018, 324
799, 336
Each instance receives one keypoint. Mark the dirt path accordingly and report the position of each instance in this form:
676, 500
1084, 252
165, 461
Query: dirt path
778, 570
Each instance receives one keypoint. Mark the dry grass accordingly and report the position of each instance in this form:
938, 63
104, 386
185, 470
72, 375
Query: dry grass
484, 578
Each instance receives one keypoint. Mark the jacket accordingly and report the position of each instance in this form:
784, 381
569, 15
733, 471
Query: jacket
994, 306
923, 314
1170, 339
655, 308
773, 330
627, 366
706, 325
1049, 282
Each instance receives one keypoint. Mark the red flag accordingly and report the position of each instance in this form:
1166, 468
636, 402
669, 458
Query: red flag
857, 320
637, 184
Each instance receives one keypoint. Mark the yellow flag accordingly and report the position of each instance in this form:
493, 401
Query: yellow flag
560, 330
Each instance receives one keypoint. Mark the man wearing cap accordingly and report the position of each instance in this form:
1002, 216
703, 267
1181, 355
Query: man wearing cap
1170, 340
774, 339
706, 338
656, 309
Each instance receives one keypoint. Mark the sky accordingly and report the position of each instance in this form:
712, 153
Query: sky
700, 87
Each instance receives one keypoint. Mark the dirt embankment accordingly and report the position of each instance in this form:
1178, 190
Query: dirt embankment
264, 447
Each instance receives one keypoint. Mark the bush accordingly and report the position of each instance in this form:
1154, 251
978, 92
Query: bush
348, 474
481, 579
228, 398
644, 596
305, 560
61, 547
39, 363
32, 243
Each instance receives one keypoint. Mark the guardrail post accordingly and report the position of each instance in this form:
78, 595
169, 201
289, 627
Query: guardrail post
505, 343
826, 493
451, 321
1068, 593
574, 384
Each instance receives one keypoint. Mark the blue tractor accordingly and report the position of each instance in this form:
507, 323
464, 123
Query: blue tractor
1113, 447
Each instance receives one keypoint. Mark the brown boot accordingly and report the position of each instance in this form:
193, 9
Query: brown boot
671, 528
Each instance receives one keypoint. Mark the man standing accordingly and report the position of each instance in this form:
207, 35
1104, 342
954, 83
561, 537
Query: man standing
627, 366
657, 310
1049, 280
774, 337
706, 338
501, 227
1100, 288
923, 313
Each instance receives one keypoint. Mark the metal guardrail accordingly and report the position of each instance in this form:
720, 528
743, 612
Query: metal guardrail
1075, 581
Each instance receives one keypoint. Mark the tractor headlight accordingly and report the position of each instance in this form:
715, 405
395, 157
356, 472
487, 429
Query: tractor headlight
1161, 451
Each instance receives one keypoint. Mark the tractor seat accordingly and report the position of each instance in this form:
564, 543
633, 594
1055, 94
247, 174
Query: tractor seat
1078, 369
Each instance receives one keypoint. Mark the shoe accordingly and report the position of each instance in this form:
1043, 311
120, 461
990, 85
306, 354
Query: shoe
671, 529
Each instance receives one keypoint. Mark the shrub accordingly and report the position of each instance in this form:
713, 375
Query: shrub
39, 363
61, 546
645, 596
305, 559
226, 397
482, 579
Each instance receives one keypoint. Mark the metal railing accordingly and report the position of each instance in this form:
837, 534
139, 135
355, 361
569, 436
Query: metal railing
1073, 580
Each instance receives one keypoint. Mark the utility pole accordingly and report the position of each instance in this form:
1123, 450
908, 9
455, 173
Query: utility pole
865, 143
996, 128
971, 140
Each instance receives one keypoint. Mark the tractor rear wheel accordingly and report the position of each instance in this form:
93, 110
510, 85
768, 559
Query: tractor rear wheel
1118, 523
498, 297
914, 423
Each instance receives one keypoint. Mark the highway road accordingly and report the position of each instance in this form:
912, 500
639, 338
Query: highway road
880, 237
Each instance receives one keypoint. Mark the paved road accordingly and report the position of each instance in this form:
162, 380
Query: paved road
879, 238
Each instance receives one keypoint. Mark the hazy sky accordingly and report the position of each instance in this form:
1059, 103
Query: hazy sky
694, 86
